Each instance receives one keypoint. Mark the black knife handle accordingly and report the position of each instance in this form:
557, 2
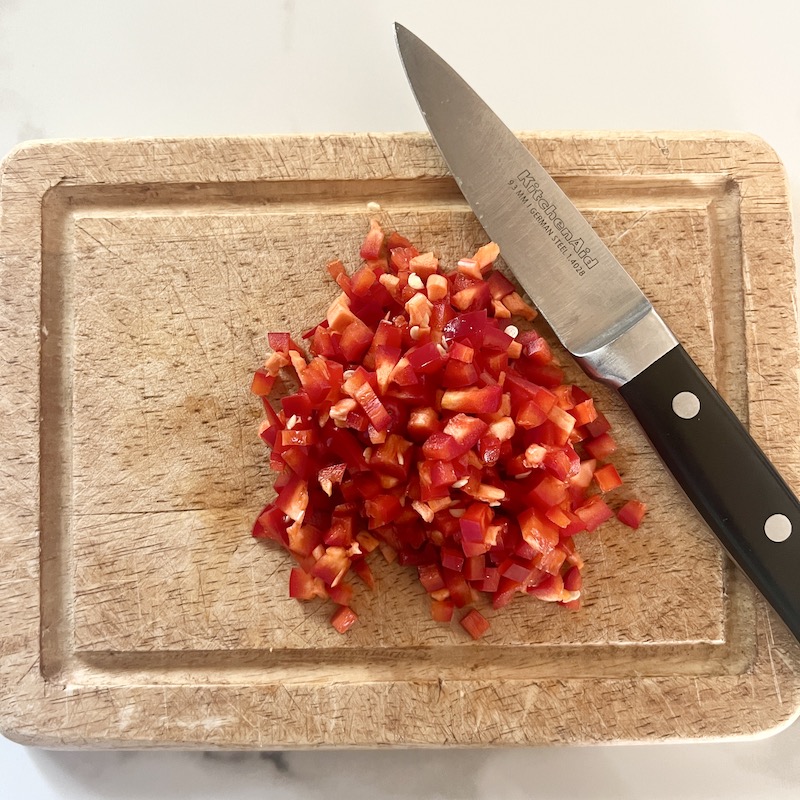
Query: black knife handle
725, 474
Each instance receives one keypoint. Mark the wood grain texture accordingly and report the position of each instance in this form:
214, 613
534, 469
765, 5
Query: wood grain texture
138, 280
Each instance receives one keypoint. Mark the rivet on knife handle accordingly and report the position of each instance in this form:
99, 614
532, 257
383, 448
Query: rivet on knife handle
724, 473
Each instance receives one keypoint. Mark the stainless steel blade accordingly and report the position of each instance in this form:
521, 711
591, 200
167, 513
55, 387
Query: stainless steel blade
582, 291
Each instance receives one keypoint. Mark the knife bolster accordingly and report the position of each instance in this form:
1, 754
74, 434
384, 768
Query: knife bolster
630, 353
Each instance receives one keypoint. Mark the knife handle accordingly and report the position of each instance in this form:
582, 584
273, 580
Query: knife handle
725, 474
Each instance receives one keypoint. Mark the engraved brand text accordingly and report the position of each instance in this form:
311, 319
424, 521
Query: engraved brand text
546, 214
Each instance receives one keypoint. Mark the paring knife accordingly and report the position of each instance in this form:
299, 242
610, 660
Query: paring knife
603, 318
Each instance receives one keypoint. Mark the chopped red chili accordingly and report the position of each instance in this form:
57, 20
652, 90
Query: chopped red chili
430, 430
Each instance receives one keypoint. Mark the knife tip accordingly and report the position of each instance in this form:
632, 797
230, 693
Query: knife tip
400, 31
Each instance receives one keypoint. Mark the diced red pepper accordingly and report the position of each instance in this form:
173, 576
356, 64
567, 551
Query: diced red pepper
551, 589
474, 568
343, 619
558, 516
523, 390
262, 382
563, 422
537, 531
404, 374
343, 444
607, 478
598, 426
452, 438
462, 352
424, 265
452, 558
331, 566
422, 423
505, 592
489, 449
548, 492
458, 374
549, 375
442, 610
460, 592
442, 447
430, 577
499, 285
490, 581
632, 513
355, 341
329, 476
495, 339
442, 473
573, 582
303, 539
467, 327
485, 400
486, 255
601, 446
594, 512
322, 343
339, 315
362, 569
470, 268
293, 498
584, 412
473, 297
373, 243
466, 430
360, 389
382, 509
474, 623
515, 570
298, 438
335, 268
342, 528
583, 477
551, 561
303, 586
281, 342
530, 415
271, 524
517, 306
341, 594
397, 240
475, 522
362, 281
426, 360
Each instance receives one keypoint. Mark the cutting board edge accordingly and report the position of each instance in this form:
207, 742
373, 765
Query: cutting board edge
750, 205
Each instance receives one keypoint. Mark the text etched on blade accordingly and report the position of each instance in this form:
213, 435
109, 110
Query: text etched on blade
546, 215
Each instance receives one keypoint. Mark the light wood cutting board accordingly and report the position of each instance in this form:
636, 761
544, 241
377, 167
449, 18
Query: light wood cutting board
138, 281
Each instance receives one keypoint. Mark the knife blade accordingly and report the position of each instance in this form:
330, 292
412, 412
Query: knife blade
604, 319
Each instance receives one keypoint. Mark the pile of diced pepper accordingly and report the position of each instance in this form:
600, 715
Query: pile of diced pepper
429, 428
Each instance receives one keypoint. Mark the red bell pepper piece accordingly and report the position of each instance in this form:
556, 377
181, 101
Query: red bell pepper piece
632, 513
343, 619
474, 623
373, 243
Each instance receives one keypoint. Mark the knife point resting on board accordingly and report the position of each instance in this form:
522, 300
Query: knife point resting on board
566, 269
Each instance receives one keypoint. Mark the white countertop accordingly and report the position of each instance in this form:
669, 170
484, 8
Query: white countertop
97, 69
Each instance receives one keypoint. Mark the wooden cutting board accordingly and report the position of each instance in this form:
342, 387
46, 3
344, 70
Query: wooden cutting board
138, 281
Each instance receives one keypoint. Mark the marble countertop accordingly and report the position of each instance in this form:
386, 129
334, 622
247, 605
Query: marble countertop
172, 67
